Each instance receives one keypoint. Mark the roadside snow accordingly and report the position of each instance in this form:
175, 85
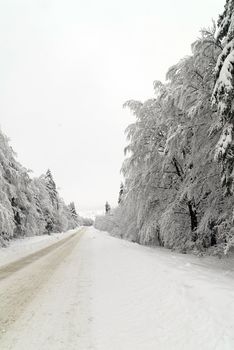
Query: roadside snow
150, 299
22, 247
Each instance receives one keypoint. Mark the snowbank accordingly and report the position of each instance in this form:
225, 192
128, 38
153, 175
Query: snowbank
151, 298
22, 247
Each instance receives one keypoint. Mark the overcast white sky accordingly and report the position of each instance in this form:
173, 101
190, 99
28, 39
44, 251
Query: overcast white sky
66, 68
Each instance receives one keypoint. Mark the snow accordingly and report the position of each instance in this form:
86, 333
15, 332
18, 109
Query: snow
154, 299
225, 75
226, 71
21, 247
224, 83
224, 141
110, 294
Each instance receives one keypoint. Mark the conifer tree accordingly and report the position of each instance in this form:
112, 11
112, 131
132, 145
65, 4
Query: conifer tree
223, 95
73, 210
107, 208
28, 206
51, 187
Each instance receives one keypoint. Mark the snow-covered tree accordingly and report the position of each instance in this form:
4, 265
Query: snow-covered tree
28, 206
121, 192
51, 187
223, 95
73, 210
76, 219
172, 194
107, 208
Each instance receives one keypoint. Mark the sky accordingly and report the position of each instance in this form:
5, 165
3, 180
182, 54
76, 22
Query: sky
66, 69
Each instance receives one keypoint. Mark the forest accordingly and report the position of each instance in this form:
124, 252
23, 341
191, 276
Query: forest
179, 166
29, 206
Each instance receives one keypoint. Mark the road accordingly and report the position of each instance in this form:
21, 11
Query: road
39, 298
93, 291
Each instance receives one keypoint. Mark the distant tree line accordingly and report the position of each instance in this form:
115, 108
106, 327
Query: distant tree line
179, 169
29, 206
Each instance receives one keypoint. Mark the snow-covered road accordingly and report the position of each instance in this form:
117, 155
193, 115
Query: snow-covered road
98, 292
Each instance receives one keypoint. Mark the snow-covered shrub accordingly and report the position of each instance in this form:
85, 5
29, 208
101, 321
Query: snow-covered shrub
175, 231
150, 233
107, 223
87, 221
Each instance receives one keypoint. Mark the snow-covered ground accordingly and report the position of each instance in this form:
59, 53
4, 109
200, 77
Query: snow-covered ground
109, 294
18, 248
149, 299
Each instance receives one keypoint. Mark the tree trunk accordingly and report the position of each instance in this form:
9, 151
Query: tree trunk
193, 219
178, 168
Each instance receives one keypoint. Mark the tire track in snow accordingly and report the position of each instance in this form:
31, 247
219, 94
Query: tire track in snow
7, 270
20, 281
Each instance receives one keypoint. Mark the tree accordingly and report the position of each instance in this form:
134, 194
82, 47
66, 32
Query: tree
107, 208
172, 195
121, 192
51, 187
29, 206
76, 219
72, 209
223, 95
